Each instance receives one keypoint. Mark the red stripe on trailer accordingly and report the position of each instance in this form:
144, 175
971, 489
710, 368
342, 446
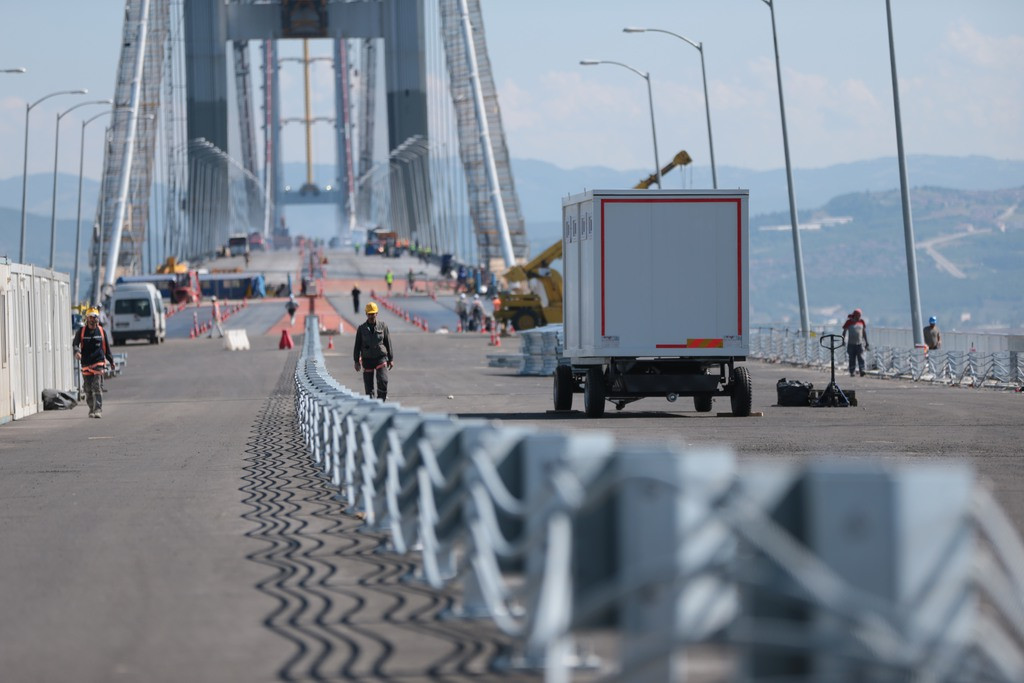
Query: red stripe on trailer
696, 200
704, 343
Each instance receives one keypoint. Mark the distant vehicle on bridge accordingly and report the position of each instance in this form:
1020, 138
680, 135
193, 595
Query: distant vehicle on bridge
238, 245
256, 241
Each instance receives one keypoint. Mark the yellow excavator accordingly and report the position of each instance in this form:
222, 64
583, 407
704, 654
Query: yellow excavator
527, 309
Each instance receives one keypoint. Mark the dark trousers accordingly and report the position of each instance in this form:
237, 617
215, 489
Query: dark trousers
91, 386
856, 355
381, 372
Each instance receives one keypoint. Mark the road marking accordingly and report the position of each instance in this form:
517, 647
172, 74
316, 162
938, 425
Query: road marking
99, 437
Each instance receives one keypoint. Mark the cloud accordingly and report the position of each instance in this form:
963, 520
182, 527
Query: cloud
990, 52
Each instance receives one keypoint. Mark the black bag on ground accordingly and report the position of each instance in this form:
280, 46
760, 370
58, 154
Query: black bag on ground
58, 400
793, 392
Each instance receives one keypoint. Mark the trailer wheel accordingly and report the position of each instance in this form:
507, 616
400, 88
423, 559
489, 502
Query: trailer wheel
741, 397
593, 392
525, 320
702, 403
563, 387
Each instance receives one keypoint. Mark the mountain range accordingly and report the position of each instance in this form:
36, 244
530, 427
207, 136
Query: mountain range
967, 218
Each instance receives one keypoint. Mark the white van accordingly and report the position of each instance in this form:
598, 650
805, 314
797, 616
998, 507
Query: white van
137, 312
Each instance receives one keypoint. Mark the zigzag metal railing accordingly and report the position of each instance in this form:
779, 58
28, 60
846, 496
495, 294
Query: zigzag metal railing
997, 369
548, 534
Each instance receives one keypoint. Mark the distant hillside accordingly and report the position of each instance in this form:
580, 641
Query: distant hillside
970, 259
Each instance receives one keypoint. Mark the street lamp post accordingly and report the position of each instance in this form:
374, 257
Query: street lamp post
78, 220
798, 254
704, 76
650, 100
24, 166
53, 202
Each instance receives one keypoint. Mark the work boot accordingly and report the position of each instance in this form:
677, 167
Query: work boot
861, 373
383, 397
98, 414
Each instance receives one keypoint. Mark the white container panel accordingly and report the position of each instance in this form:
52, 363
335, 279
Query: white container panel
664, 273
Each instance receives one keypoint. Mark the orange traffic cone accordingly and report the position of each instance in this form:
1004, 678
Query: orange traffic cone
286, 340
495, 339
330, 342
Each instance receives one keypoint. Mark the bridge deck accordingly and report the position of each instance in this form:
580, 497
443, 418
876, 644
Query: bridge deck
185, 537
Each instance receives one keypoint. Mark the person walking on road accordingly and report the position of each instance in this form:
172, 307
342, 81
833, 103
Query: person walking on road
855, 334
410, 283
292, 307
933, 335
373, 353
215, 319
462, 309
389, 278
355, 298
93, 353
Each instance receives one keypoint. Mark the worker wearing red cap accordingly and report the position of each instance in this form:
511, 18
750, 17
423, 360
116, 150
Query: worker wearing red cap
855, 334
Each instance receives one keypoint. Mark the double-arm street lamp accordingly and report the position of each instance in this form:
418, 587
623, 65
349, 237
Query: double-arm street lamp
24, 166
704, 76
650, 100
53, 202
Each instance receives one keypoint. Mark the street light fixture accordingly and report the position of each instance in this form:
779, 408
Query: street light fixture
798, 254
53, 202
704, 76
24, 166
19, 70
650, 100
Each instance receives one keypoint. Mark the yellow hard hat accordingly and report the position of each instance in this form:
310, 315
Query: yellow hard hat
92, 312
371, 308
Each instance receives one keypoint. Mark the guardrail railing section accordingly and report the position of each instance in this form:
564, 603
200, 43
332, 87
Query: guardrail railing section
831, 571
997, 368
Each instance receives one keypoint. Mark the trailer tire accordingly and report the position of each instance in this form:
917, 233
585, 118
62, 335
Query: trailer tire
702, 403
563, 387
594, 392
742, 394
525, 320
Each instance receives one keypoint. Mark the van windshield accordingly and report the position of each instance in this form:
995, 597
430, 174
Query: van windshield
139, 307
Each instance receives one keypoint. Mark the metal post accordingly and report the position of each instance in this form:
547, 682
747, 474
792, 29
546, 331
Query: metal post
798, 257
650, 99
908, 223
654, 134
707, 110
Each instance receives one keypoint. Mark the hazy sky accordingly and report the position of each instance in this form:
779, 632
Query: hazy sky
959, 64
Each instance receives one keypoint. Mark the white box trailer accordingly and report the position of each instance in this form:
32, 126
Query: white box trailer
655, 297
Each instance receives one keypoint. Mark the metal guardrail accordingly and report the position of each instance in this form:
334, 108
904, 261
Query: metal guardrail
1000, 369
805, 573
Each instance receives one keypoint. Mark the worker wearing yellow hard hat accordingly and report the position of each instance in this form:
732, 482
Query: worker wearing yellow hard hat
373, 353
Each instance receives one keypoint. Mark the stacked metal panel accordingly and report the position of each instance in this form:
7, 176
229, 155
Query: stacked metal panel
484, 221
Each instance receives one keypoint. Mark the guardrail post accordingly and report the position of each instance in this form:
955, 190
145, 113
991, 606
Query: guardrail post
669, 544
885, 586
